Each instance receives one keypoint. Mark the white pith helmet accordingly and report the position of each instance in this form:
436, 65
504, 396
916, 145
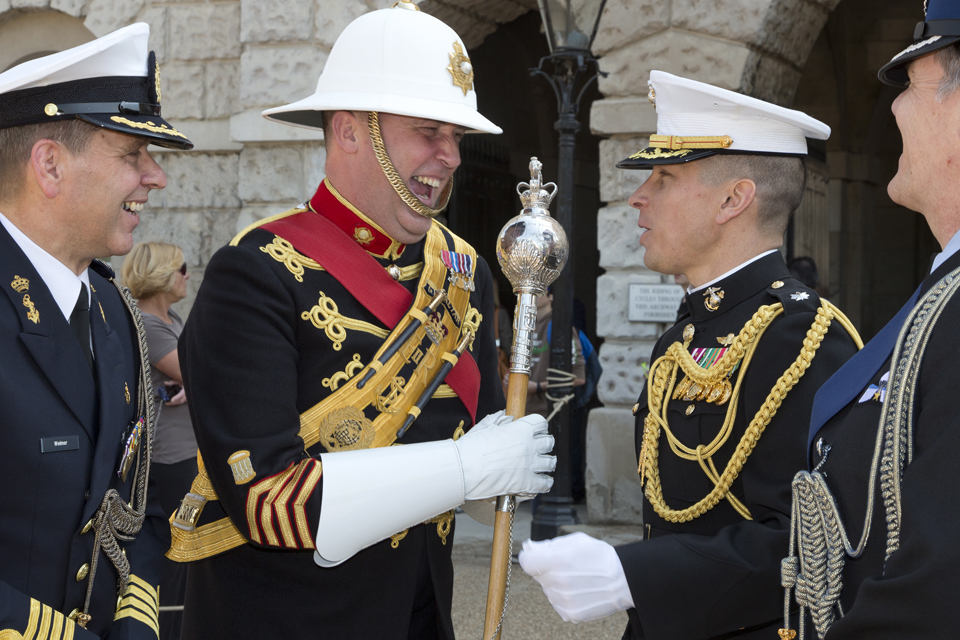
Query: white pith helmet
400, 61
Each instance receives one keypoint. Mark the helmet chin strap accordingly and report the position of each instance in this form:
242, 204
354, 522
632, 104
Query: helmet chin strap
412, 201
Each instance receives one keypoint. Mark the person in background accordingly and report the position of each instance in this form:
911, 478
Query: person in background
156, 274
804, 269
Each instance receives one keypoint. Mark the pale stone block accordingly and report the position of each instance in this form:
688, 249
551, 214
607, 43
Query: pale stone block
623, 371
625, 21
253, 213
791, 28
75, 8
613, 487
618, 237
205, 31
686, 54
612, 302
104, 16
4, 6
218, 230
206, 135
183, 90
770, 79
275, 20
271, 76
250, 126
201, 180
223, 93
156, 17
182, 228
314, 168
332, 17
271, 173
619, 184
30, 4
733, 19
623, 115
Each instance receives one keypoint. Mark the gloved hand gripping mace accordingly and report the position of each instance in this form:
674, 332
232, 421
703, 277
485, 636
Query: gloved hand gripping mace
532, 249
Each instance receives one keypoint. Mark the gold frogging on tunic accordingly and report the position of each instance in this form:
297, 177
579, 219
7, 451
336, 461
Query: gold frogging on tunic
242, 467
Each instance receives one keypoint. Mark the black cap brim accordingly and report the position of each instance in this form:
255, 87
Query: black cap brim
154, 129
894, 73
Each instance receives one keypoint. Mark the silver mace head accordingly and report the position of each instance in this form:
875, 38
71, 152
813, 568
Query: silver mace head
532, 247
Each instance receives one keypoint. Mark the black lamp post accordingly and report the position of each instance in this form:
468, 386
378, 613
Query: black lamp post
570, 26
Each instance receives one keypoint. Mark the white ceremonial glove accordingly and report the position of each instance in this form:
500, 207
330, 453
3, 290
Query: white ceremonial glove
501, 456
581, 576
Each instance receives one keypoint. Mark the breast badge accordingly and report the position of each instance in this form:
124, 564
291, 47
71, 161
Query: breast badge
346, 429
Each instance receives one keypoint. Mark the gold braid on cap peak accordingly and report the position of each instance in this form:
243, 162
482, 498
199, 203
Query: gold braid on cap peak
691, 142
412, 201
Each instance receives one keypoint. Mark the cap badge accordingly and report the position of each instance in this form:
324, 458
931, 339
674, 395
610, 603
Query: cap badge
713, 297
652, 95
156, 74
460, 68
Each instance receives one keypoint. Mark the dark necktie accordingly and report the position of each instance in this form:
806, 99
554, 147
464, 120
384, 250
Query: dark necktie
80, 323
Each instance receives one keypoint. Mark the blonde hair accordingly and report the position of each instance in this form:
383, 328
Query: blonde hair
151, 268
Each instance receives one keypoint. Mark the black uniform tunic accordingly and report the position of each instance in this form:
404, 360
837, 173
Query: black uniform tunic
253, 361
913, 594
50, 492
719, 574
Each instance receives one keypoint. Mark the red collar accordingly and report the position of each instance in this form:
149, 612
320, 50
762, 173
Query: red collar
367, 233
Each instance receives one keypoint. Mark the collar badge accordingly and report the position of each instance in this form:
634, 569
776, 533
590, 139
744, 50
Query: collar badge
461, 69
713, 297
20, 284
363, 235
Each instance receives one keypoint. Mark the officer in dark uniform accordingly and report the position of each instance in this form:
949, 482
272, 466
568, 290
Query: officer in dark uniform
885, 432
326, 334
81, 534
721, 421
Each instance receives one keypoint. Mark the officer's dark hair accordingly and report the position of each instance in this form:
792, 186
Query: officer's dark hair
16, 145
780, 183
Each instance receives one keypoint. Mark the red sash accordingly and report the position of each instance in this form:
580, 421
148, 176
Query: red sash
321, 240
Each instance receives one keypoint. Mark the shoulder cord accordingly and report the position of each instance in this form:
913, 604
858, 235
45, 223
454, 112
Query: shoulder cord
558, 378
818, 539
116, 519
663, 376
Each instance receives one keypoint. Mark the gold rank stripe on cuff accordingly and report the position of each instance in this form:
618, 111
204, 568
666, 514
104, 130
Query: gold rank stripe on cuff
690, 142
43, 623
278, 507
141, 601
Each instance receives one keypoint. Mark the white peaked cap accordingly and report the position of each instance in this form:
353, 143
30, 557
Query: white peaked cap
121, 53
690, 108
391, 61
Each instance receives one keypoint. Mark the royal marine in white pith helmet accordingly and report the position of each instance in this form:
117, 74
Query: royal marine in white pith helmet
358, 302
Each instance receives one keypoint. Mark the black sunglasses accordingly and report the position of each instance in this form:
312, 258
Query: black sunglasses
183, 269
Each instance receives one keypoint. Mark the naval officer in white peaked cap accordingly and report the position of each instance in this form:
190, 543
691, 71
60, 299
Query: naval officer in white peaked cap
81, 534
721, 423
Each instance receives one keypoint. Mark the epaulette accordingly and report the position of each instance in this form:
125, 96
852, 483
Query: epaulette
259, 223
794, 296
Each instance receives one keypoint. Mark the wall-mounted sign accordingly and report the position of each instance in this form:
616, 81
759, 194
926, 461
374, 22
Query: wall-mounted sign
654, 302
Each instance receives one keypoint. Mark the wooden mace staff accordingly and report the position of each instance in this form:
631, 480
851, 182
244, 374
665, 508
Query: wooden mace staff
532, 249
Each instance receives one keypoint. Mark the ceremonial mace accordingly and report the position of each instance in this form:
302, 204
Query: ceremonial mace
532, 249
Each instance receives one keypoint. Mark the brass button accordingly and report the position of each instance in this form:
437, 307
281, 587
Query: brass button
636, 408
691, 408
777, 284
119, 600
82, 573
87, 527
73, 614
51, 109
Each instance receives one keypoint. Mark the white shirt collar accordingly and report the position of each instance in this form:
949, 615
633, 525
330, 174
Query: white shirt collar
952, 247
63, 283
732, 271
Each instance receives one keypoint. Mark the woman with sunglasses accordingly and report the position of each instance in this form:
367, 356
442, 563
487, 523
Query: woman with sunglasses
156, 274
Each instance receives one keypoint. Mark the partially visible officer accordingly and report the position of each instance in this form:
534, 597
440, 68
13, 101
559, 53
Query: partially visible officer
722, 421
81, 535
317, 337
876, 552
